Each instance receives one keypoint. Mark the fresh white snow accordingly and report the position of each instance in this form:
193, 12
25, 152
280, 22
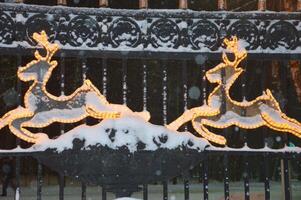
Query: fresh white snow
127, 131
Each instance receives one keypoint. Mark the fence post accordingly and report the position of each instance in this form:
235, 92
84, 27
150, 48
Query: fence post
262, 5
61, 186
183, 4
143, 4
103, 3
145, 192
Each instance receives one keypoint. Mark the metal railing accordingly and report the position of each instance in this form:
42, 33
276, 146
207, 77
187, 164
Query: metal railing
167, 68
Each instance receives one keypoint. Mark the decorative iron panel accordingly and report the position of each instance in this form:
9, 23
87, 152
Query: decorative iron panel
153, 31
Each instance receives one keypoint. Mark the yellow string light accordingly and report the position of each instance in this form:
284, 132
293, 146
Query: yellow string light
22, 116
210, 115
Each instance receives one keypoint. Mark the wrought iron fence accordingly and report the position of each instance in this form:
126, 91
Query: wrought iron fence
156, 60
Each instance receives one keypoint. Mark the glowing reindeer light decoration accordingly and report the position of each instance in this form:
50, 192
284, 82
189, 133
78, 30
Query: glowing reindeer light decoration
262, 111
42, 108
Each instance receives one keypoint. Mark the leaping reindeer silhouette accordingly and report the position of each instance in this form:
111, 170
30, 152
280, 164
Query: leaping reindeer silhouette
42, 108
262, 111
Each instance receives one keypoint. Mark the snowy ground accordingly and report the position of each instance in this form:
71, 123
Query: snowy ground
155, 192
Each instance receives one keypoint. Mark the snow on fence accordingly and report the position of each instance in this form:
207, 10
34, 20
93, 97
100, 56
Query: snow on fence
154, 39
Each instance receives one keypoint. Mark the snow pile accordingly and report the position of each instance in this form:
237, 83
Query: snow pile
126, 198
131, 131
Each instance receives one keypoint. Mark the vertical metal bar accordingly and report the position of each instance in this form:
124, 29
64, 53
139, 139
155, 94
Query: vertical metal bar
39, 181
285, 162
286, 177
261, 6
104, 76
225, 158
103, 193
246, 161
124, 81
246, 178
165, 190
84, 191
144, 86
204, 83
244, 97
62, 85
186, 190
164, 91
18, 161
205, 177
266, 178
185, 88
145, 192
283, 73
143, 4
61, 186
265, 133
84, 68
226, 176
84, 77
185, 106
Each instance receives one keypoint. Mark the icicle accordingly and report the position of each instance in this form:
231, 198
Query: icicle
104, 76
144, 87
164, 93
124, 79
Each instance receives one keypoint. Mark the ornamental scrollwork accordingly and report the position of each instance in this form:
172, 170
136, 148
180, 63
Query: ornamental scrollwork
124, 32
160, 31
7, 29
37, 23
247, 31
164, 33
203, 34
282, 34
83, 30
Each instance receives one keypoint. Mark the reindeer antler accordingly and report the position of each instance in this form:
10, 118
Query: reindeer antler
239, 54
42, 39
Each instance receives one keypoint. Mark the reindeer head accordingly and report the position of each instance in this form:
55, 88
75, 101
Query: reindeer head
41, 68
214, 75
239, 54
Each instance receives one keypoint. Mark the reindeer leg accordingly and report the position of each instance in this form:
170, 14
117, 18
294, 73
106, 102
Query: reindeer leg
15, 127
286, 125
102, 115
203, 131
187, 116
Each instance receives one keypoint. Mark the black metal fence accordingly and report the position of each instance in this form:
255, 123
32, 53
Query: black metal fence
156, 60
